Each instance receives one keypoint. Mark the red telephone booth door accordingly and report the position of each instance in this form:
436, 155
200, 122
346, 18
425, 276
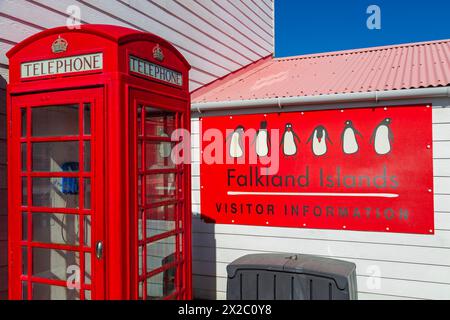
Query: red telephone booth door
161, 242
56, 215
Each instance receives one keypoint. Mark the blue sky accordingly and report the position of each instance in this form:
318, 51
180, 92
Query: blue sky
305, 26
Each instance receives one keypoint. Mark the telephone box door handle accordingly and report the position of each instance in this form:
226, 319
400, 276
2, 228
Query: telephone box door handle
99, 249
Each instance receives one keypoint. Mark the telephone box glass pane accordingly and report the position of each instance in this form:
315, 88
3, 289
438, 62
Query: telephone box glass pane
87, 193
87, 268
23, 113
24, 226
46, 292
180, 243
55, 156
158, 155
160, 219
23, 147
87, 156
140, 290
54, 264
140, 253
159, 123
140, 217
24, 290
87, 119
160, 252
139, 190
24, 191
139, 122
56, 228
139, 155
55, 121
25, 260
55, 192
160, 187
161, 285
87, 231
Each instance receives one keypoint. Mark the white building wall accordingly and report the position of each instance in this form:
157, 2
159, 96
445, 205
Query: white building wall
410, 266
216, 36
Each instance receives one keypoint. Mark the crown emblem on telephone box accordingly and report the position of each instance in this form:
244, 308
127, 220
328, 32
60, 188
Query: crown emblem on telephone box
158, 53
59, 45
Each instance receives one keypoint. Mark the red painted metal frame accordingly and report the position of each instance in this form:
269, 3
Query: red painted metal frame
139, 100
111, 89
16, 210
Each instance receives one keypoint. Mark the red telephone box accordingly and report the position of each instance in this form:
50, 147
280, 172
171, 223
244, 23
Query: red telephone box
98, 209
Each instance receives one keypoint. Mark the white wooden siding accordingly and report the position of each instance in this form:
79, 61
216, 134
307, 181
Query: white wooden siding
411, 266
216, 37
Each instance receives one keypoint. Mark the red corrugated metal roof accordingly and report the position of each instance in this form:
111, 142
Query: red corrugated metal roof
406, 66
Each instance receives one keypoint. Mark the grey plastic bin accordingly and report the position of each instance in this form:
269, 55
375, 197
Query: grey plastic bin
290, 277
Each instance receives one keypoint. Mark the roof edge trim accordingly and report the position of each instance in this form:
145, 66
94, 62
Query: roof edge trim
360, 50
375, 96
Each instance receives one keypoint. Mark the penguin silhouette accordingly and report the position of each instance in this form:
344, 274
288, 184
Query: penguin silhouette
348, 138
165, 148
319, 138
236, 143
382, 137
289, 141
262, 140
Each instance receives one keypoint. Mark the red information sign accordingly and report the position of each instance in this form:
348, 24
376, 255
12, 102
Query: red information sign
366, 169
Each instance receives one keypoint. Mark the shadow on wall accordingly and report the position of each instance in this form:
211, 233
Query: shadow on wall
204, 259
3, 196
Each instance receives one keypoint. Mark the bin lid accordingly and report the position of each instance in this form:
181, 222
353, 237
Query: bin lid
338, 270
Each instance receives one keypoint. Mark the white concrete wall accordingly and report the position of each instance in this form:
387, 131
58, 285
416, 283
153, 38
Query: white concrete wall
216, 36
411, 266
